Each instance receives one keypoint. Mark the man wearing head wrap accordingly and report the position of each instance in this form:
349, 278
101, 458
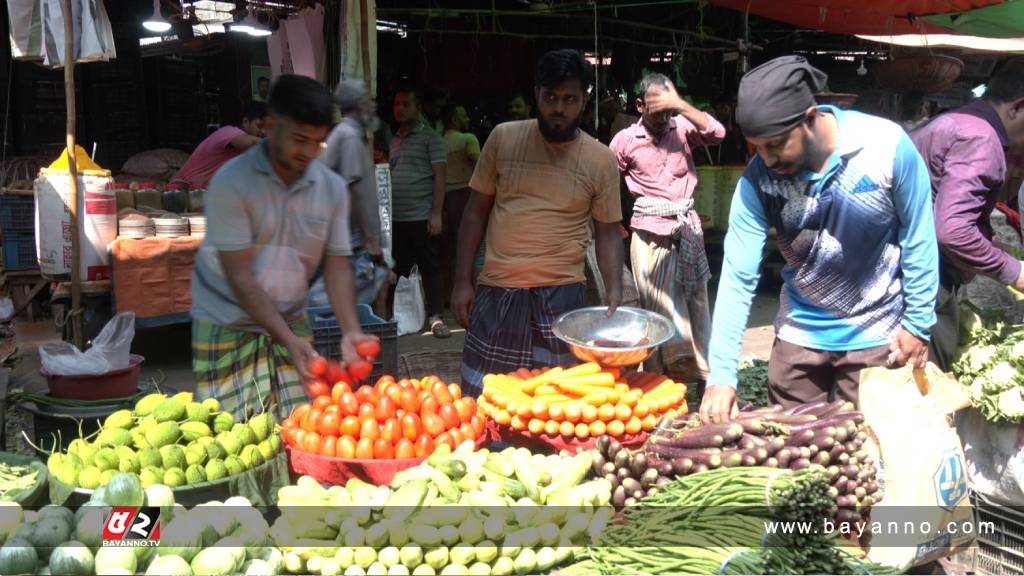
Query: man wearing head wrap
849, 198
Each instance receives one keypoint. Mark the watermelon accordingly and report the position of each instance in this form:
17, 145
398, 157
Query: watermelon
115, 560
169, 565
90, 526
11, 517
72, 558
125, 490
18, 556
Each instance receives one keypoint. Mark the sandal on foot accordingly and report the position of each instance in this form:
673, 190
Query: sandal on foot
439, 329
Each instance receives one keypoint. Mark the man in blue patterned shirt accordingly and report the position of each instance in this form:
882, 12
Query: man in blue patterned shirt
850, 200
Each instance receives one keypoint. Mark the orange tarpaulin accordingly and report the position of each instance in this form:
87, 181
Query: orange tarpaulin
876, 17
153, 276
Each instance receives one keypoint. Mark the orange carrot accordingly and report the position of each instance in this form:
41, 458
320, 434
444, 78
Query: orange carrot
599, 379
543, 378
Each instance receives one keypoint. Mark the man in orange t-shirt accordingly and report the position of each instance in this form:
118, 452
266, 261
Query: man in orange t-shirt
538, 187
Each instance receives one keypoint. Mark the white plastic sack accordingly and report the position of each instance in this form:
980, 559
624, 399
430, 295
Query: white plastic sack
995, 456
111, 350
410, 306
6, 309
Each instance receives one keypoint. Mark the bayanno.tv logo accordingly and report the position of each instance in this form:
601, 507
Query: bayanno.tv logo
132, 526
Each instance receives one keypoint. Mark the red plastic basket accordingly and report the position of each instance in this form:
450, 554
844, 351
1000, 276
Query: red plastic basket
116, 384
338, 471
525, 439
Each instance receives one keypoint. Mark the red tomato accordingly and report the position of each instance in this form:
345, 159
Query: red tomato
399, 414
455, 391
327, 446
318, 366
367, 393
332, 409
311, 443
345, 447
450, 416
406, 384
385, 408
364, 449
405, 449
408, 401
424, 446
368, 347
369, 429
349, 404
337, 373
471, 402
391, 431
328, 425
432, 424
441, 393
359, 369
312, 420
394, 391
298, 438
411, 426
478, 423
300, 412
317, 388
430, 405
456, 437
288, 435
445, 439
349, 427
366, 412
287, 423
338, 390
321, 402
462, 407
467, 432
383, 450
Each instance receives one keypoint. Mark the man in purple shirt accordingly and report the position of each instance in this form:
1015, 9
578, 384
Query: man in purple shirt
667, 248
965, 150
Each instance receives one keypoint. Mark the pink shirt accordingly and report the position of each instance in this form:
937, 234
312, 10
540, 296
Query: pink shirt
662, 167
210, 155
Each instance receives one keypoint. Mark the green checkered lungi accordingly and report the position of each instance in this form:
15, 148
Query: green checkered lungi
246, 370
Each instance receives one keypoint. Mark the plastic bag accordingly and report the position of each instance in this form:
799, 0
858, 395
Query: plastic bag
995, 457
110, 350
410, 307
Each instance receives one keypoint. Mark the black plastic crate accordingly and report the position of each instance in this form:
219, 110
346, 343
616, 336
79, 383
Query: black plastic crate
20, 251
1001, 550
17, 214
327, 337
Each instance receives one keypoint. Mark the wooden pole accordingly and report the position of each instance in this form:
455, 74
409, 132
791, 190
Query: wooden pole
364, 44
74, 202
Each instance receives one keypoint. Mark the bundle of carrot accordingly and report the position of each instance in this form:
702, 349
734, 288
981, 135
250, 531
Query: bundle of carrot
582, 401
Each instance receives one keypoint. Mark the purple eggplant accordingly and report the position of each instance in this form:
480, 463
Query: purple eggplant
800, 438
682, 466
812, 408
698, 468
821, 458
771, 463
698, 456
799, 464
847, 515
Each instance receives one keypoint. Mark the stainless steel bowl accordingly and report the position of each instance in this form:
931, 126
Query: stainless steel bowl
625, 338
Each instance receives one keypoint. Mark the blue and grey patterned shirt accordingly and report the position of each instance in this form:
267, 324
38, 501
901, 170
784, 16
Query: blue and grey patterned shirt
858, 240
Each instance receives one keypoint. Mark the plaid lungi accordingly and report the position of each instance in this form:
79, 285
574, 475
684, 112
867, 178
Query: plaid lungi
246, 370
510, 328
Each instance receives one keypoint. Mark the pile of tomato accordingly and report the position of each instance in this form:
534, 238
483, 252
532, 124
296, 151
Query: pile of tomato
390, 419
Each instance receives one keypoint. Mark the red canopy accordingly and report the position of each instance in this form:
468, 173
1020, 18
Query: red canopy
874, 17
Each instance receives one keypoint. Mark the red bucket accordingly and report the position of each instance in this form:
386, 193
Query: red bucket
116, 384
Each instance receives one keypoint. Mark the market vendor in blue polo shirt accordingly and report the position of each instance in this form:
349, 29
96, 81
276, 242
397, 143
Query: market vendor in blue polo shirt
849, 198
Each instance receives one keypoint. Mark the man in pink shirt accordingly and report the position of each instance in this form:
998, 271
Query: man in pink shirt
223, 145
667, 249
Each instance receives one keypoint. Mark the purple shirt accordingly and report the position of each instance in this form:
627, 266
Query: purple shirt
965, 150
662, 167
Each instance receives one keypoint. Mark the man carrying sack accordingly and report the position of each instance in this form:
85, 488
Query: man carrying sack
274, 213
850, 200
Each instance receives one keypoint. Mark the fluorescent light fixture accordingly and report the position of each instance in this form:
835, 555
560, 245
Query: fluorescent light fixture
979, 90
954, 40
156, 22
251, 26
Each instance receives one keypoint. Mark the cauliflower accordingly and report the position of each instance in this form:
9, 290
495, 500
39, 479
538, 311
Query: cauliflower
970, 325
1003, 374
1017, 352
979, 357
1011, 404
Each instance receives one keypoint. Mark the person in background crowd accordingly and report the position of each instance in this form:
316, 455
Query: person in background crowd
518, 108
849, 198
223, 145
463, 152
667, 250
418, 156
274, 213
432, 107
917, 111
262, 89
537, 188
732, 149
965, 151
348, 154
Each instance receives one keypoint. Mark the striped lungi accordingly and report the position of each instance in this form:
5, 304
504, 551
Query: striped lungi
246, 371
510, 328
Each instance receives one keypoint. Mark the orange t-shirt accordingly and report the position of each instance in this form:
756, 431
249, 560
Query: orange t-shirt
544, 197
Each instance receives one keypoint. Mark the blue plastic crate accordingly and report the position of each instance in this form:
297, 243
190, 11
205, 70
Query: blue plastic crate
17, 214
20, 252
327, 337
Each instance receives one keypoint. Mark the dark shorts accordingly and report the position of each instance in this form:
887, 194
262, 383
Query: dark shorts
510, 328
797, 375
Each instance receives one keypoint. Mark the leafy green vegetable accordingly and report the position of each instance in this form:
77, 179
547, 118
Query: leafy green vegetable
753, 383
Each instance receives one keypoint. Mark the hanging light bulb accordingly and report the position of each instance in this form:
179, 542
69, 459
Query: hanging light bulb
862, 70
156, 22
251, 26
